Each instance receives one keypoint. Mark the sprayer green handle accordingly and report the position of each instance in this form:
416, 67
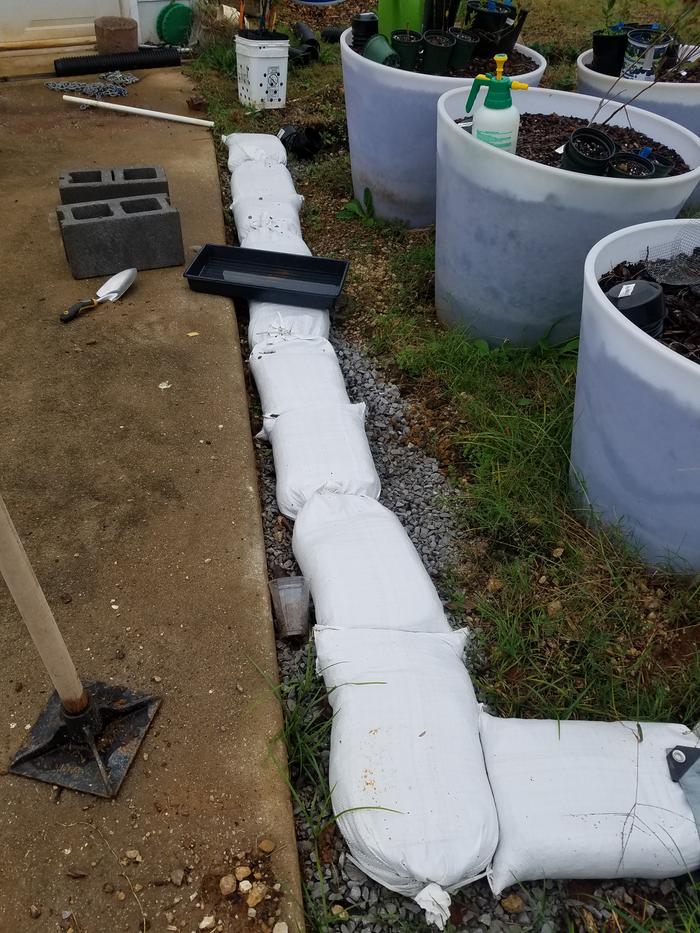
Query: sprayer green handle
477, 84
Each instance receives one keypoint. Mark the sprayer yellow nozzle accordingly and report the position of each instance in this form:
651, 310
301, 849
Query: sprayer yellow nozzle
519, 86
500, 60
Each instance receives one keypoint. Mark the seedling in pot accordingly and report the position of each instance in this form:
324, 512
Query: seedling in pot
609, 43
437, 51
407, 45
466, 42
630, 165
588, 151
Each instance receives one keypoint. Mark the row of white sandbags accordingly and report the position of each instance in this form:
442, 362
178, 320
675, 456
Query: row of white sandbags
557, 799
266, 207
317, 436
409, 777
363, 572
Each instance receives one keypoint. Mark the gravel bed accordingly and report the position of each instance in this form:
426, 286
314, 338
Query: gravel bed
415, 489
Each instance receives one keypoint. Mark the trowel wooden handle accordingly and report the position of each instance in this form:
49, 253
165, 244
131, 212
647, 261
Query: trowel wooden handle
36, 613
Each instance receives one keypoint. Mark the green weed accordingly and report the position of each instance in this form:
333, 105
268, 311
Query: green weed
356, 209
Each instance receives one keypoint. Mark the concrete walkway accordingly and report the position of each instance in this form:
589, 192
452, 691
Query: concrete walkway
139, 508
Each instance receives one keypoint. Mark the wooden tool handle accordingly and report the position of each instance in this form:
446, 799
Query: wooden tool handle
36, 613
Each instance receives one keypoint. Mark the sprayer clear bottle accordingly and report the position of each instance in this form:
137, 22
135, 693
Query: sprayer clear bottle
496, 122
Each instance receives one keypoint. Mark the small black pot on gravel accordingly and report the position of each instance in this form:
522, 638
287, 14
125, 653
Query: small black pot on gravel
407, 45
364, 26
630, 165
465, 46
437, 51
609, 52
588, 151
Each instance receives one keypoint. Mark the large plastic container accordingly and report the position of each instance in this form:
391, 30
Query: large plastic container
261, 69
391, 130
512, 235
636, 441
675, 101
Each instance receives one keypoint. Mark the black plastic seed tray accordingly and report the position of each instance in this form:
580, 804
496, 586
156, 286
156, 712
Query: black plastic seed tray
259, 275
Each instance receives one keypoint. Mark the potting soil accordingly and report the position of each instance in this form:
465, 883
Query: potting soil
688, 75
682, 325
517, 64
541, 134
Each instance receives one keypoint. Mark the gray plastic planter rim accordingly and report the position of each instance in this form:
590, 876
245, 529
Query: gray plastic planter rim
630, 330
682, 92
581, 179
427, 79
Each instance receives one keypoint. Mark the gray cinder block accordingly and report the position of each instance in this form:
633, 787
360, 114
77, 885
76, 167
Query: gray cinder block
103, 237
121, 181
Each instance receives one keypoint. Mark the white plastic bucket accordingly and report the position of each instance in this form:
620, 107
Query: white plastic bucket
261, 66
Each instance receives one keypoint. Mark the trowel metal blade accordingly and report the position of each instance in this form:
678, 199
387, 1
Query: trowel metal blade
115, 287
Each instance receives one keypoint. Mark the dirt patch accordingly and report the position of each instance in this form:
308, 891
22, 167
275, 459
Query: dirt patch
682, 325
542, 134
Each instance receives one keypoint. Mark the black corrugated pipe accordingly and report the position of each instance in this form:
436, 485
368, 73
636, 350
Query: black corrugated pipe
124, 61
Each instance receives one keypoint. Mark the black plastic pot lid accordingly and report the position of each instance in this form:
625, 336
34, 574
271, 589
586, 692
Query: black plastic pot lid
642, 302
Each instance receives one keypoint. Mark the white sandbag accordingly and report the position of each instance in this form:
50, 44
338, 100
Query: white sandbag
297, 374
587, 800
322, 447
362, 568
251, 214
257, 147
409, 786
269, 323
265, 182
277, 238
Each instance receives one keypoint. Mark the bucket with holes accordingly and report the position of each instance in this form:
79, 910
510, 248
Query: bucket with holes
262, 59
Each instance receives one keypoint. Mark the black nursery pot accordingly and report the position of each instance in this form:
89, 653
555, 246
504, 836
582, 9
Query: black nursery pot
364, 26
305, 34
437, 51
630, 165
466, 42
642, 303
407, 44
663, 165
588, 151
609, 52
485, 20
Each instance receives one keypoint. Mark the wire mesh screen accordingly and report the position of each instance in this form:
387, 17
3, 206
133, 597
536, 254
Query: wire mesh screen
676, 263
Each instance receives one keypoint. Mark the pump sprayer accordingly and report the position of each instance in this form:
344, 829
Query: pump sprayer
497, 121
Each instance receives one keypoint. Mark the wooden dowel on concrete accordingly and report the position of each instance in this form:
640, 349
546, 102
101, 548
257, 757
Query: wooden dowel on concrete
36, 613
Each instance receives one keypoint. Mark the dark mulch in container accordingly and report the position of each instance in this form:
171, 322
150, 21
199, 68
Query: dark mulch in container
689, 74
541, 134
682, 326
517, 64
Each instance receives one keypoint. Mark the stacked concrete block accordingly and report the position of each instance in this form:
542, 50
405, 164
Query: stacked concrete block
97, 184
115, 218
103, 237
